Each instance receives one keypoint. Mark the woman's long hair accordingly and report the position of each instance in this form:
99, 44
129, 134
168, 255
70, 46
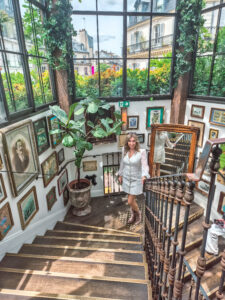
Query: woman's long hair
126, 147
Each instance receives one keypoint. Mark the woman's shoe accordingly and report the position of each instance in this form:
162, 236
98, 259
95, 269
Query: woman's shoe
138, 217
132, 218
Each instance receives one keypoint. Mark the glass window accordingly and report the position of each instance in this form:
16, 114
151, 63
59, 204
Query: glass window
201, 75
137, 77
217, 86
84, 5
160, 69
164, 6
221, 34
109, 5
138, 6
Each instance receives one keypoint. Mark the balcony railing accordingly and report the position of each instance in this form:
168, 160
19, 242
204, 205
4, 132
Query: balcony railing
158, 43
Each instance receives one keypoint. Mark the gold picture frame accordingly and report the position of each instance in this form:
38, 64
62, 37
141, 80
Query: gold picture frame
6, 220
201, 126
49, 168
213, 133
90, 165
217, 116
122, 139
51, 198
3, 194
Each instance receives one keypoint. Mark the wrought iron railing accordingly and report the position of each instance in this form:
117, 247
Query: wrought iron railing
165, 254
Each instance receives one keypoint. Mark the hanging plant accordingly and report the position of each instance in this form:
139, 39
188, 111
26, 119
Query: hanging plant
189, 21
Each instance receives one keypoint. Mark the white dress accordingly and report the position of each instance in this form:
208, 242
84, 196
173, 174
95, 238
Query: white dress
161, 138
132, 170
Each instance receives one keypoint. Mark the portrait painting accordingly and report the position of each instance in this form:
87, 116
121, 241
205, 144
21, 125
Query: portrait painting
217, 116
60, 156
141, 137
213, 133
51, 198
66, 196
28, 207
41, 135
1, 162
122, 139
133, 122
6, 220
62, 181
3, 194
53, 123
154, 116
49, 168
21, 155
201, 126
197, 111
221, 204
90, 165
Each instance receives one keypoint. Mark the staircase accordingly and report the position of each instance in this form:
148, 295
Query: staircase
76, 261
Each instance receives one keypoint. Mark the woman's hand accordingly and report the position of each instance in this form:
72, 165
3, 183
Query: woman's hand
143, 178
120, 179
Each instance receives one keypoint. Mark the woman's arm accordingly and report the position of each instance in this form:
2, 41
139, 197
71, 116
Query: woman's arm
144, 165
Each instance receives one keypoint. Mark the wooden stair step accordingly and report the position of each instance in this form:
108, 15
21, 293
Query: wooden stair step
57, 264
41, 281
91, 243
81, 227
91, 235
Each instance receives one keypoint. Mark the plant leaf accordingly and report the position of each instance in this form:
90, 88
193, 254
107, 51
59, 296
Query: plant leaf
92, 108
71, 111
59, 113
79, 111
56, 131
91, 124
99, 133
68, 141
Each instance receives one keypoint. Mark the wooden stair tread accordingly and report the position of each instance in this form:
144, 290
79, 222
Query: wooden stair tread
40, 281
74, 267
92, 243
211, 278
57, 250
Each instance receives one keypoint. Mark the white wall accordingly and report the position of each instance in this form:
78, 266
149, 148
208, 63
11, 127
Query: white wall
201, 200
44, 219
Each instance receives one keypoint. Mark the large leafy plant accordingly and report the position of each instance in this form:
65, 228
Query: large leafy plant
73, 126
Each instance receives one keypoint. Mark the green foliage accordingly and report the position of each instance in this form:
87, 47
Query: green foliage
74, 131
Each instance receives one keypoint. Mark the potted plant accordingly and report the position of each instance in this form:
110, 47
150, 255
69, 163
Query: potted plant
75, 135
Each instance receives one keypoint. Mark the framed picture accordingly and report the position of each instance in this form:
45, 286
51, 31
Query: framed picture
6, 220
149, 140
21, 155
66, 196
203, 187
90, 165
141, 137
124, 118
197, 111
221, 204
49, 168
201, 126
1, 163
51, 198
133, 122
60, 156
41, 135
154, 116
3, 194
122, 139
221, 179
217, 116
28, 207
213, 133
62, 181
53, 123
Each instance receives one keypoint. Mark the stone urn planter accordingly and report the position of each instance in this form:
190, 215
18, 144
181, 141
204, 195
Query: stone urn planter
80, 198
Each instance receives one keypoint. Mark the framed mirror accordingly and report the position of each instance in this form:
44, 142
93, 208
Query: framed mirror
172, 149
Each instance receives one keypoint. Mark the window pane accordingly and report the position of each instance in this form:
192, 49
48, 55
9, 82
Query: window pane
218, 87
159, 82
207, 32
86, 78
111, 83
164, 6
137, 76
138, 6
8, 26
162, 35
85, 43
221, 33
138, 39
110, 41
210, 3
107, 5
84, 5
201, 75
13, 82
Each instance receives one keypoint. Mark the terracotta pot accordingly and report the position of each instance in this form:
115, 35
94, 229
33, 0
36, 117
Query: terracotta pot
80, 198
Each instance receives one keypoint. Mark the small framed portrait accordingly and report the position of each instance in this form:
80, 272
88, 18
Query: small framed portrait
133, 122
221, 204
122, 139
201, 126
6, 220
141, 138
1, 162
203, 187
21, 155
62, 181
3, 194
90, 165
217, 116
28, 207
154, 116
197, 111
53, 123
41, 135
66, 196
213, 133
49, 168
60, 156
149, 140
51, 198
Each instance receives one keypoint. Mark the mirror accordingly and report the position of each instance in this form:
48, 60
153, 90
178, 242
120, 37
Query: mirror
172, 149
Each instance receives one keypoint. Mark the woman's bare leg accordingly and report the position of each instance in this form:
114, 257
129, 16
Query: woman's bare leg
132, 202
157, 169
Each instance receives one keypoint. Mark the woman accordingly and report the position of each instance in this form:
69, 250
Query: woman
132, 173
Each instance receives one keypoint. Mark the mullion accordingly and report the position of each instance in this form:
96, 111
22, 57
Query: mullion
149, 51
99, 72
124, 84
